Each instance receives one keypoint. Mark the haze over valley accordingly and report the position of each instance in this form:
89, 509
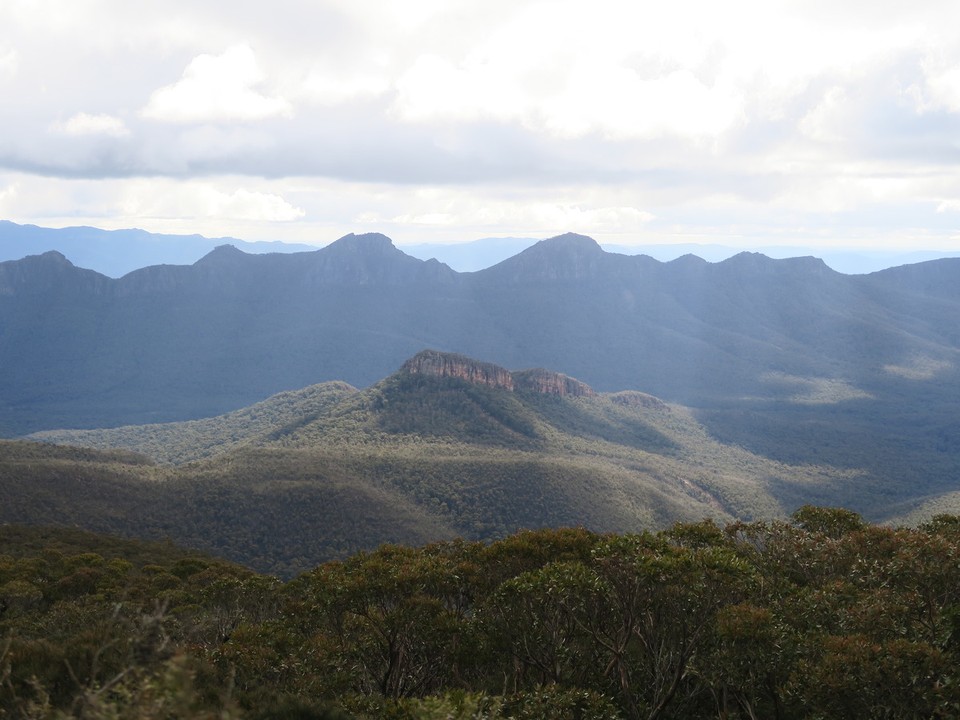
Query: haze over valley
740, 389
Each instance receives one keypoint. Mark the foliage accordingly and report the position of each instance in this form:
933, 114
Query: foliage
779, 620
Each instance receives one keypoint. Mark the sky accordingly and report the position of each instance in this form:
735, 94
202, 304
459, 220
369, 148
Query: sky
821, 123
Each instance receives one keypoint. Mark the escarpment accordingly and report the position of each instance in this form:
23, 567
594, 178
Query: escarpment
452, 365
549, 382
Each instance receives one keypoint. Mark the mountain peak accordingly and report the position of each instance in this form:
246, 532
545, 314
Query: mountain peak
49, 272
55, 256
755, 262
222, 253
565, 257
365, 242
573, 241
50, 258
373, 258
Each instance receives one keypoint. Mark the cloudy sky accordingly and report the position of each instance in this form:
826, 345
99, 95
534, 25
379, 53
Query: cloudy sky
744, 122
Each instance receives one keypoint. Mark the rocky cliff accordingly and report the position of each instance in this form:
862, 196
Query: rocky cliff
441, 364
551, 383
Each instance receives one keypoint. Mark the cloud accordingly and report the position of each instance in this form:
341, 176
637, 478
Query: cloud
150, 199
449, 207
86, 124
8, 196
246, 205
9, 61
217, 88
823, 119
942, 90
530, 72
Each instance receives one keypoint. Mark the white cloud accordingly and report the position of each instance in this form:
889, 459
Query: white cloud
825, 121
618, 103
247, 205
943, 89
437, 208
86, 124
7, 197
328, 88
154, 199
949, 206
595, 98
217, 88
561, 217
9, 61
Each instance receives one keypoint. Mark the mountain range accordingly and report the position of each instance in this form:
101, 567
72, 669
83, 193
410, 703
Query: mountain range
786, 359
117, 252
179, 342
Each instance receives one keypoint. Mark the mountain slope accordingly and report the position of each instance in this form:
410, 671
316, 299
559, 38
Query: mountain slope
446, 446
281, 524
176, 443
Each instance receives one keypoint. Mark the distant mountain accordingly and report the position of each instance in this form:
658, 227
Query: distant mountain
117, 252
845, 260
486, 252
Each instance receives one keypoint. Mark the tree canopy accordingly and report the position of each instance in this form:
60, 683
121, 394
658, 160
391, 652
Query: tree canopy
822, 616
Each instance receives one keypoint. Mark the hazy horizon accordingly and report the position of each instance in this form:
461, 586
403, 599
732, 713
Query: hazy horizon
117, 252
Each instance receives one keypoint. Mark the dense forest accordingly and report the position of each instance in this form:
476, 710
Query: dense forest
822, 616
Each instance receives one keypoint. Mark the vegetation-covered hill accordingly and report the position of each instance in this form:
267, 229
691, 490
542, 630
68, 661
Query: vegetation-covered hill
820, 617
445, 447
196, 439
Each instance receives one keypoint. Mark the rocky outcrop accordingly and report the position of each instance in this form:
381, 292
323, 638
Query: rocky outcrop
551, 383
452, 365
441, 364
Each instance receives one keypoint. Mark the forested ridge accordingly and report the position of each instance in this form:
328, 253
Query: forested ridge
821, 616
325, 472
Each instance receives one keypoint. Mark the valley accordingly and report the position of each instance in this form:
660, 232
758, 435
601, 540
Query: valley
281, 410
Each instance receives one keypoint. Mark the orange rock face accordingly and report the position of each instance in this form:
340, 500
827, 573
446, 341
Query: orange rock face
441, 364
551, 383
